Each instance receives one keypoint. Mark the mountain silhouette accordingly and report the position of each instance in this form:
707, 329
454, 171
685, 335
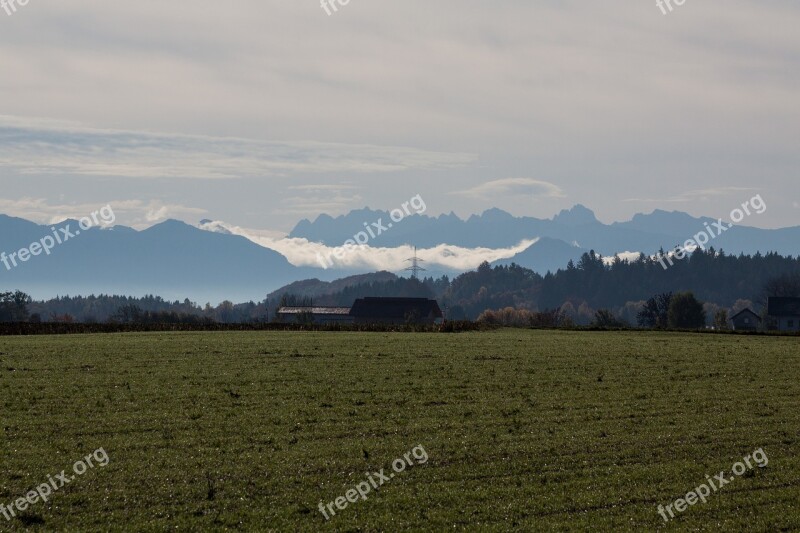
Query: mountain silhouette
171, 259
177, 260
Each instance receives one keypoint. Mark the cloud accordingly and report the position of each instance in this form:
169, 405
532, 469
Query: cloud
696, 195
625, 256
514, 187
301, 252
536, 88
309, 206
48, 147
317, 187
330, 198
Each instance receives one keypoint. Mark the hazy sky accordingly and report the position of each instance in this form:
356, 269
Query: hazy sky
259, 113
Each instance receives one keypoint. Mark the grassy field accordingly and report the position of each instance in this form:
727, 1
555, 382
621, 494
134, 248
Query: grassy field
531, 430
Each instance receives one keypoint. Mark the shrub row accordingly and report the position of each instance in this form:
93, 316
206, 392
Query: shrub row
53, 328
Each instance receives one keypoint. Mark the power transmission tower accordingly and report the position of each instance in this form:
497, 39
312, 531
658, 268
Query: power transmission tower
415, 269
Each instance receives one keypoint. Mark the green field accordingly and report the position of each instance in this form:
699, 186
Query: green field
529, 430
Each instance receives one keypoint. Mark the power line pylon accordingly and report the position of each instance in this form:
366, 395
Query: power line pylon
415, 269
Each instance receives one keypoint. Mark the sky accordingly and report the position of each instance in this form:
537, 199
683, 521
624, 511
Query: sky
262, 113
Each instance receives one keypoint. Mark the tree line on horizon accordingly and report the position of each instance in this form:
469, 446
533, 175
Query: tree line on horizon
619, 288
623, 287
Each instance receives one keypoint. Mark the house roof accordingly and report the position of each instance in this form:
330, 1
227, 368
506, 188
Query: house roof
395, 308
314, 310
781, 306
746, 310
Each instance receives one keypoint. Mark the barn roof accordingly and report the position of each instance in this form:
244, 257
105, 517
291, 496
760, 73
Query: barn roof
314, 310
746, 310
783, 306
397, 308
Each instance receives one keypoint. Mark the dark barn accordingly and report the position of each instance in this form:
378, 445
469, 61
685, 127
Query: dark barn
396, 311
746, 320
785, 312
315, 315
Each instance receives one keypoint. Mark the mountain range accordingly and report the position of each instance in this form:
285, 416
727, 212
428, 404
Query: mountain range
578, 226
561, 238
177, 260
171, 259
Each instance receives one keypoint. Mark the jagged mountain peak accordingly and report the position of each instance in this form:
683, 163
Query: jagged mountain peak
578, 215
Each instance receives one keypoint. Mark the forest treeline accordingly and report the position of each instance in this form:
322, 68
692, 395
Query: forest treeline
620, 288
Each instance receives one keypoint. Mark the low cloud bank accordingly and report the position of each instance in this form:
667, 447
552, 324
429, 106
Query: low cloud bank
302, 252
